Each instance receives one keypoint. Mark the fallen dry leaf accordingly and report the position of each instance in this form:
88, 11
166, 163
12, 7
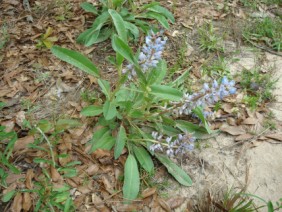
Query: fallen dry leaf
22, 143
20, 117
250, 121
27, 203
233, 130
29, 177
92, 169
148, 192
175, 202
244, 137
11, 178
277, 137
164, 205
17, 203
55, 174
108, 184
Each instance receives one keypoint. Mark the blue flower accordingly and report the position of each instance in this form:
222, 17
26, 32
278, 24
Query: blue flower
209, 95
150, 55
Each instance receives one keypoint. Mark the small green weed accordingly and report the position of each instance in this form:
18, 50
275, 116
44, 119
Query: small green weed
88, 96
4, 35
46, 40
269, 121
209, 40
64, 10
259, 87
255, 3
216, 69
267, 30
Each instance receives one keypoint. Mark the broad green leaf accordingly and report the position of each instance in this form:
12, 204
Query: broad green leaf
163, 11
122, 48
104, 34
64, 124
197, 131
89, 8
132, 28
76, 59
68, 205
158, 74
44, 125
89, 36
181, 79
143, 25
120, 142
105, 86
146, 6
102, 139
109, 110
144, 158
92, 110
118, 3
175, 170
159, 17
166, 92
8, 196
119, 24
199, 112
131, 179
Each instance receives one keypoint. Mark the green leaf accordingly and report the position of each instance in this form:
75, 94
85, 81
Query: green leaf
119, 24
105, 86
175, 170
270, 207
102, 139
64, 124
144, 158
109, 110
160, 18
122, 48
132, 28
131, 179
163, 11
8, 196
199, 112
44, 125
89, 36
68, 205
92, 110
89, 8
158, 74
197, 131
118, 3
104, 34
181, 79
166, 92
76, 59
121, 138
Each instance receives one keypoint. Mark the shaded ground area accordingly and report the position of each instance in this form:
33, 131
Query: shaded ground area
35, 85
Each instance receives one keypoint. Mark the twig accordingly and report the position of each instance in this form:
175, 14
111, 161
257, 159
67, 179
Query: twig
252, 139
262, 47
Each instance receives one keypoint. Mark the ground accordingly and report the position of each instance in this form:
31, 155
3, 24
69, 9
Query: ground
207, 38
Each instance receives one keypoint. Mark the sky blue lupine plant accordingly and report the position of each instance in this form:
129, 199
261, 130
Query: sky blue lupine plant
172, 146
206, 97
150, 55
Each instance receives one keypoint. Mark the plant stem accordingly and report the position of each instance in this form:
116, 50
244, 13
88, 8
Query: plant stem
49, 143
